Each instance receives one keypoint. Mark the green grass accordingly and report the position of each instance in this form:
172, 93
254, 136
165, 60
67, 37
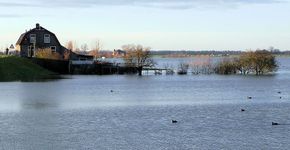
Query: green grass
21, 69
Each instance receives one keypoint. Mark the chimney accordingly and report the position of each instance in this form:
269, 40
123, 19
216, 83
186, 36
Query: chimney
37, 26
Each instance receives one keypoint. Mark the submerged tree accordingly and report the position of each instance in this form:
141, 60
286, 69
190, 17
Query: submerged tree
182, 68
226, 67
137, 56
201, 64
169, 69
258, 62
264, 62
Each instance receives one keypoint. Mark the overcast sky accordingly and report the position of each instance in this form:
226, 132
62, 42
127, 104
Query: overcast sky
160, 24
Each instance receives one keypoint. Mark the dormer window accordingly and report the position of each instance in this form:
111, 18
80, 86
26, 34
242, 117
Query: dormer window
46, 38
32, 38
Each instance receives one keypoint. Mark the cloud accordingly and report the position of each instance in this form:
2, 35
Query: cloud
170, 4
15, 4
10, 16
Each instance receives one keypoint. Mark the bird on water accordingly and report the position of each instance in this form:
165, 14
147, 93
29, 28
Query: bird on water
174, 121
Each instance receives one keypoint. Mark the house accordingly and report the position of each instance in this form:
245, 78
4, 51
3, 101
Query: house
39, 38
119, 53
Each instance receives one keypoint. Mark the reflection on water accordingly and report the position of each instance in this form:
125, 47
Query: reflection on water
131, 112
37, 105
39, 95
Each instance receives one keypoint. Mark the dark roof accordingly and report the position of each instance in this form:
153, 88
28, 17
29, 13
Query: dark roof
82, 55
21, 38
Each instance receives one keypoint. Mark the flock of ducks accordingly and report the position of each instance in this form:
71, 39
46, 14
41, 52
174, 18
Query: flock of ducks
242, 110
273, 123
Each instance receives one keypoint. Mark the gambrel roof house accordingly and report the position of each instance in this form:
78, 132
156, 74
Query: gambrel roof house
39, 38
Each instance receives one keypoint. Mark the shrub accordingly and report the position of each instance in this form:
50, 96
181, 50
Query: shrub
46, 53
226, 66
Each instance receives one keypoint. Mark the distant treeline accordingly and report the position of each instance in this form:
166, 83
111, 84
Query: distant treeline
175, 53
207, 52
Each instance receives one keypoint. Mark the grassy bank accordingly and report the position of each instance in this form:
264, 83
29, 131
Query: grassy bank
21, 69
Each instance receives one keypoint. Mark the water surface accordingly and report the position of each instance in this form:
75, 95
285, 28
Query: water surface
131, 112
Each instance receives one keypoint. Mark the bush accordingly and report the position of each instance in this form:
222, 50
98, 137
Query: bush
226, 66
46, 53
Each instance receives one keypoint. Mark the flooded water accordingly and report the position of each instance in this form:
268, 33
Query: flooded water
131, 112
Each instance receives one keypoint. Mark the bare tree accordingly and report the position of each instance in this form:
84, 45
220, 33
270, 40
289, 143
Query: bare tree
76, 47
169, 69
84, 47
137, 56
70, 45
201, 64
96, 48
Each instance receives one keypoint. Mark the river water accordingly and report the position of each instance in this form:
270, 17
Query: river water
132, 112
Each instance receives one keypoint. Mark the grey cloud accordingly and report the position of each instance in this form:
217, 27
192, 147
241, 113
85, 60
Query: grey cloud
10, 16
170, 4
16, 4
161, 3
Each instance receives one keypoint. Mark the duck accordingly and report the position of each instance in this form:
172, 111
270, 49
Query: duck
249, 97
275, 124
174, 121
243, 110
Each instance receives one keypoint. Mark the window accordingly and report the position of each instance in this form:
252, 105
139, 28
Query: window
32, 38
46, 38
53, 48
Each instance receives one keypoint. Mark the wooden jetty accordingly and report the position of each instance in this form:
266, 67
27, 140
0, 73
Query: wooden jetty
158, 71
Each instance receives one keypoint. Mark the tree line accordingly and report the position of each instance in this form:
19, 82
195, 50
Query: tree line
252, 62
257, 62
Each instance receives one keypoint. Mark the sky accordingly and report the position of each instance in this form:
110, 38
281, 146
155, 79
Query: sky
159, 24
